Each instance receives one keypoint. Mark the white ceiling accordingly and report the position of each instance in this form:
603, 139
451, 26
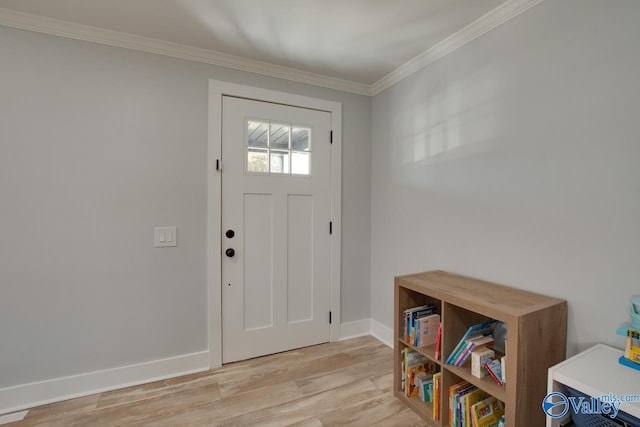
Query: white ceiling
356, 40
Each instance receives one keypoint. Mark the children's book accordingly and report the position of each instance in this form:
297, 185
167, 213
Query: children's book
427, 330
478, 358
487, 412
424, 382
460, 402
472, 398
415, 364
406, 317
409, 357
437, 385
494, 370
473, 332
453, 389
438, 341
473, 344
409, 317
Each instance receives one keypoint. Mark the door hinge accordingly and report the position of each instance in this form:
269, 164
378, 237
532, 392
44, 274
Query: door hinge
330, 227
331, 137
329, 317
217, 164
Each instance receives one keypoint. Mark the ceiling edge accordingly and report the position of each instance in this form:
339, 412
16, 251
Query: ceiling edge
56, 27
477, 28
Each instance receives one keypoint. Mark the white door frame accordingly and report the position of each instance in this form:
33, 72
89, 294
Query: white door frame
217, 89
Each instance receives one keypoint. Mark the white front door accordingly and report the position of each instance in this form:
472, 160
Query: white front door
275, 228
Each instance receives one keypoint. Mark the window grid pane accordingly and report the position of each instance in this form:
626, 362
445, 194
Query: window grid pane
277, 148
279, 162
300, 162
258, 133
279, 136
300, 138
257, 160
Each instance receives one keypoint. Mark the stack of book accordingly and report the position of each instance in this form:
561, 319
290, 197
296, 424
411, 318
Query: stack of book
477, 337
485, 363
421, 325
470, 406
424, 385
417, 375
478, 360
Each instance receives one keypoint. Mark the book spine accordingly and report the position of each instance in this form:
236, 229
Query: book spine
438, 339
454, 354
464, 356
405, 334
404, 368
460, 354
492, 374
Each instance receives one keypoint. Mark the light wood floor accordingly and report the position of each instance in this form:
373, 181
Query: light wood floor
346, 383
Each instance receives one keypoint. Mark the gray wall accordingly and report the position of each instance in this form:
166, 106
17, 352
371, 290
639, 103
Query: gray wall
515, 159
97, 146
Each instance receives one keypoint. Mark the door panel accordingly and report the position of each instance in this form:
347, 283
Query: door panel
258, 283
276, 198
300, 258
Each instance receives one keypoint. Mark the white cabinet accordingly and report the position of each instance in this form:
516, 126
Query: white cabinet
596, 372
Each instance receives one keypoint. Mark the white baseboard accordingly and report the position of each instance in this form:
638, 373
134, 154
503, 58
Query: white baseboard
26, 396
382, 333
355, 329
363, 327
13, 417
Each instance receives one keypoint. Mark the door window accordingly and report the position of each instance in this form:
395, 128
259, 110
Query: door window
277, 148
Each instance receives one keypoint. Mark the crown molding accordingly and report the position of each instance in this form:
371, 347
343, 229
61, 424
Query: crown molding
56, 27
477, 28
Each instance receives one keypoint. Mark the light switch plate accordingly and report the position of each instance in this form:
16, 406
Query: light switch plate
165, 237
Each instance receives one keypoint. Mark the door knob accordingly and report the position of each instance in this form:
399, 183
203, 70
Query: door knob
230, 252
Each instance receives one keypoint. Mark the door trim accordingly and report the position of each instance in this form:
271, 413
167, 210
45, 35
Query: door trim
218, 89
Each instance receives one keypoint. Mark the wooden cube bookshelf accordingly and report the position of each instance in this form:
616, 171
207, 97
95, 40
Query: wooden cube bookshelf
536, 336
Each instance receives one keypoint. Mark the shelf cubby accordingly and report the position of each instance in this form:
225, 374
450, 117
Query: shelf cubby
532, 322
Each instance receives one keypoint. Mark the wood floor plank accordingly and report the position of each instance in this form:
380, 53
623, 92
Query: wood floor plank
158, 407
343, 383
300, 409
384, 382
404, 418
305, 362
217, 412
311, 422
285, 373
324, 382
62, 410
152, 390
367, 365
364, 412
